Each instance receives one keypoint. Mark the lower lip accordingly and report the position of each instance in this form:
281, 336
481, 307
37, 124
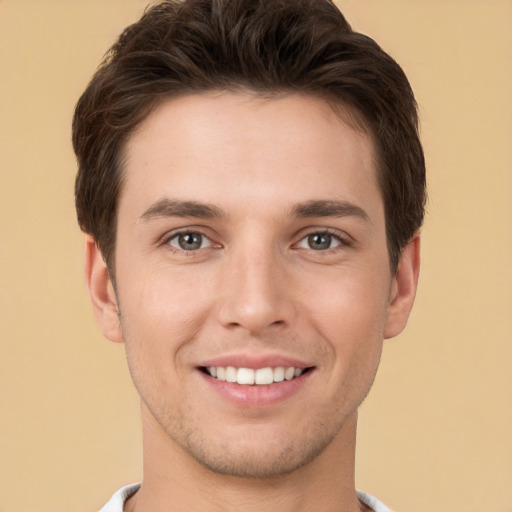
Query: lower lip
256, 396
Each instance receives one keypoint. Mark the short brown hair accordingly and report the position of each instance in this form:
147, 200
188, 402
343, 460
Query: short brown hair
265, 46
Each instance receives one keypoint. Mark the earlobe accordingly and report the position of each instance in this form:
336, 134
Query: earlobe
403, 289
101, 291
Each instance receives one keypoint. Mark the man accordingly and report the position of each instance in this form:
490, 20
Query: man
252, 185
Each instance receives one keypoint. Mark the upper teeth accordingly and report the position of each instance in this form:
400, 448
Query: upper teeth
248, 376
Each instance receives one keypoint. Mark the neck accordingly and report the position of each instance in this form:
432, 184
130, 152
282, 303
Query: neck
173, 480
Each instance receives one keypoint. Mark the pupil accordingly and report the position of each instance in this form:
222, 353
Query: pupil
190, 241
319, 242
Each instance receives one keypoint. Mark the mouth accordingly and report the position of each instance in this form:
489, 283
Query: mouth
254, 377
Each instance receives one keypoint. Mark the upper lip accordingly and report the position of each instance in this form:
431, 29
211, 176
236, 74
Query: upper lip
255, 361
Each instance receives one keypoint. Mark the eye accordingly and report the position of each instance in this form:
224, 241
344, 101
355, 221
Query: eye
320, 241
189, 241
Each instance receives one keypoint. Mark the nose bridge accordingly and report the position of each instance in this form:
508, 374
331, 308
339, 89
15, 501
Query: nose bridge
253, 293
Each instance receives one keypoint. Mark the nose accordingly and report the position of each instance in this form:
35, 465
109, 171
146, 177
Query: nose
255, 292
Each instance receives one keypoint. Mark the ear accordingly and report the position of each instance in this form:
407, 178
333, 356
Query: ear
403, 288
101, 291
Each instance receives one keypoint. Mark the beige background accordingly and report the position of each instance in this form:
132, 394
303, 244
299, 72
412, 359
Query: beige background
435, 433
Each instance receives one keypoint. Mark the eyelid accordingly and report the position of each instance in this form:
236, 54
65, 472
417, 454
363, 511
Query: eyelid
167, 237
345, 240
343, 236
205, 241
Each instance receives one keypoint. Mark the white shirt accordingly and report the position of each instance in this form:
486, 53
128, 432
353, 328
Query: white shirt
117, 501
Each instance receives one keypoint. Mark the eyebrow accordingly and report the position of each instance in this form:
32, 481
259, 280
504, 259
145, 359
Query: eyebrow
176, 208
316, 208
323, 208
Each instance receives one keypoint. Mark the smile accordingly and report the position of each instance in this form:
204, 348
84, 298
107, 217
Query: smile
250, 377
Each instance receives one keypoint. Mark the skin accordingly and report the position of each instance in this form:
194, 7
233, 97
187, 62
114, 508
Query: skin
255, 287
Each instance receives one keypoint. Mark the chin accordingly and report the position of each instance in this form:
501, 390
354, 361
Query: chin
271, 464
270, 456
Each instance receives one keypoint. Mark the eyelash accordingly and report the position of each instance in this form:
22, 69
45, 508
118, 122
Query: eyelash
192, 252
342, 241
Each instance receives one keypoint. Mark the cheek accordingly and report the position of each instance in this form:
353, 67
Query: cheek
160, 318
162, 296
350, 314
160, 315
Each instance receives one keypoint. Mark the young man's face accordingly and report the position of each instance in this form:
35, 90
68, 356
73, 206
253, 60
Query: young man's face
251, 234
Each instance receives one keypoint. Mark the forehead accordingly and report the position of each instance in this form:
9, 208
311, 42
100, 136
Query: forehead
226, 146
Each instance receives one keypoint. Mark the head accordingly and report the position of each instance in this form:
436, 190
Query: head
265, 47
251, 172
